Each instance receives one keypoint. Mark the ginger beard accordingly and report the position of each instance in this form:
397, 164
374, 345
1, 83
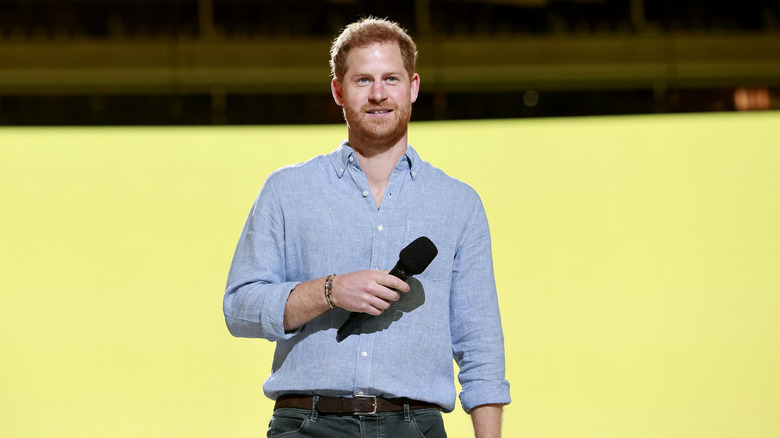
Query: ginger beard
384, 130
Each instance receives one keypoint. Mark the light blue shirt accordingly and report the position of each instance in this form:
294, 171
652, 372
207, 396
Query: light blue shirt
318, 218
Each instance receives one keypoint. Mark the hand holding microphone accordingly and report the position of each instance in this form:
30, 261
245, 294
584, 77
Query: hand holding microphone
369, 291
412, 260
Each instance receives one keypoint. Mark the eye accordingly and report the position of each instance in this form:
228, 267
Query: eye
363, 80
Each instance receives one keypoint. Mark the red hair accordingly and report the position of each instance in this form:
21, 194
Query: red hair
367, 31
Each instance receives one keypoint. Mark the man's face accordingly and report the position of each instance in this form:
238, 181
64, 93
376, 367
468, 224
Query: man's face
376, 93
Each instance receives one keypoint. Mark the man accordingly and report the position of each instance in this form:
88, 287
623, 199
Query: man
316, 247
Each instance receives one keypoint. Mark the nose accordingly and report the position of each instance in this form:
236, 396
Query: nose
378, 92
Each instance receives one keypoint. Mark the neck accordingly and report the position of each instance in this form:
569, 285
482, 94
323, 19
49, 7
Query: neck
378, 158
378, 163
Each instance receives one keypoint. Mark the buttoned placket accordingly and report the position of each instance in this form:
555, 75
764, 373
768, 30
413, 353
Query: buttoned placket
382, 238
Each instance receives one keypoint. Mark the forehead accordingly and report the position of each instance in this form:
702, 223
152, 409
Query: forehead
383, 56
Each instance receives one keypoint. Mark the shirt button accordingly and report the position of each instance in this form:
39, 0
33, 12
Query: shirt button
360, 392
351, 159
365, 193
341, 170
364, 354
414, 173
380, 228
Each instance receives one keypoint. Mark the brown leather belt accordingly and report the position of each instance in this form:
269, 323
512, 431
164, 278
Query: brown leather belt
357, 405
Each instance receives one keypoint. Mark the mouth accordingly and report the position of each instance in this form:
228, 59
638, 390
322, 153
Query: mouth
379, 111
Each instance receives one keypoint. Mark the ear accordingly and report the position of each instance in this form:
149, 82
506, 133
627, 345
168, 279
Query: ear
415, 85
336, 90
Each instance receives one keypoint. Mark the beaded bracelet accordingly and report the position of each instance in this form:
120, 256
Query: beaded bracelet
328, 287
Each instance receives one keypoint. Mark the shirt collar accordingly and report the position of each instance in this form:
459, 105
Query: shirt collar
340, 160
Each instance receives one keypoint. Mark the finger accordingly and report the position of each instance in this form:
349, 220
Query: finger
402, 286
393, 282
373, 306
373, 311
387, 294
380, 305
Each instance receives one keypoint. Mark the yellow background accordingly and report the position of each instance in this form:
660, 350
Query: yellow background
637, 259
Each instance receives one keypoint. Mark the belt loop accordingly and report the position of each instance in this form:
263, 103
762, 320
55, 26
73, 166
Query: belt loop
407, 411
314, 400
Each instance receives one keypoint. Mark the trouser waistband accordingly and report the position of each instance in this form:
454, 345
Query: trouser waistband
357, 405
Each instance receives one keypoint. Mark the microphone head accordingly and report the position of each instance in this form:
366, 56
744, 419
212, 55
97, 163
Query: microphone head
418, 255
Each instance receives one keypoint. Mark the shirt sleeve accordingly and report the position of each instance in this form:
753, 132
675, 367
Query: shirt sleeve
477, 336
256, 292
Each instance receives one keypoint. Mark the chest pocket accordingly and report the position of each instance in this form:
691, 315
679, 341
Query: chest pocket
443, 237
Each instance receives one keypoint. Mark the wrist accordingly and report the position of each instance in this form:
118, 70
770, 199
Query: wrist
329, 290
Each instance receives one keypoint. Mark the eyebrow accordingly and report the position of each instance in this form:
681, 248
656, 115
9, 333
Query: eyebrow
393, 73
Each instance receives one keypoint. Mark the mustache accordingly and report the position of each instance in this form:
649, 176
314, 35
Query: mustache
367, 108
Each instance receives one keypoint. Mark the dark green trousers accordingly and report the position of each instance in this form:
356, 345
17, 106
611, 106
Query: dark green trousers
417, 423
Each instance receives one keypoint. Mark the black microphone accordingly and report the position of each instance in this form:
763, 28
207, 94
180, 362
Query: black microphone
411, 261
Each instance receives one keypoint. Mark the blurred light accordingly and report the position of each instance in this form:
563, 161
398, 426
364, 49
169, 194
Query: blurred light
531, 98
751, 99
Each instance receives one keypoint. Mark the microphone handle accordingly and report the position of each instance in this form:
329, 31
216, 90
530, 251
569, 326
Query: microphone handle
357, 318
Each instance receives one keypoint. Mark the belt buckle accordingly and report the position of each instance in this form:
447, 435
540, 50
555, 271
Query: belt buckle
373, 397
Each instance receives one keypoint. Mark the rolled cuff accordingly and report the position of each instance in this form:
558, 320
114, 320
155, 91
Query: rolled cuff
485, 393
259, 311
